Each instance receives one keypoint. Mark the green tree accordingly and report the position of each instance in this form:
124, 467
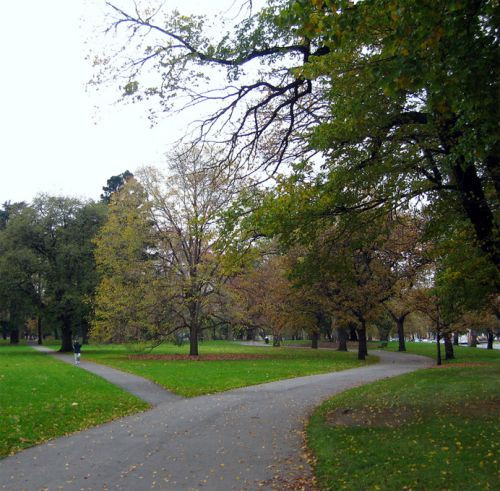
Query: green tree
114, 184
400, 96
62, 230
20, 268
428, 302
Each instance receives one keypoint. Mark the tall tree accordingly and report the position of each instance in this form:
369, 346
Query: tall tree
47, 266
131, 301
176, 228
407, 252
427, 302
63, 229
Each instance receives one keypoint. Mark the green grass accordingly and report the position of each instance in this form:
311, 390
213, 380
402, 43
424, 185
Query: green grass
192, 378
42, 398
326, 344
431, 429
463, 354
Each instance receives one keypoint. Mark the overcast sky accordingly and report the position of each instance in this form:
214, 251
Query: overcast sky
52, 139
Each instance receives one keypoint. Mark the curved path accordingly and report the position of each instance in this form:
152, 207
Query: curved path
244, 439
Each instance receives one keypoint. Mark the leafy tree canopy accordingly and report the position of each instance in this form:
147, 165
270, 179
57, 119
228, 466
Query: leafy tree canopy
398, 96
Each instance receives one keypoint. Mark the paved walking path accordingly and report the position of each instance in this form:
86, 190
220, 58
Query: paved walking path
244, 439
142, 388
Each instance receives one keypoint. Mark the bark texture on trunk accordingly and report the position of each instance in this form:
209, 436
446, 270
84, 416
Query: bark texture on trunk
362, 348
353, 336
400, 321
490, 339
193, 340
342, 336
66, 336
473, 339
314, 340
39, 329
448, 347
477, 208
438, 343
14, 336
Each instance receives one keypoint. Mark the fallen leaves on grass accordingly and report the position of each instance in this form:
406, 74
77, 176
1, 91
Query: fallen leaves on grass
466, 364
210, 357
370, 417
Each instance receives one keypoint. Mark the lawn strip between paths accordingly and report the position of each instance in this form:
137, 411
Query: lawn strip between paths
223, 365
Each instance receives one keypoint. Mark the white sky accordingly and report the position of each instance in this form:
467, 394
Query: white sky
51, 140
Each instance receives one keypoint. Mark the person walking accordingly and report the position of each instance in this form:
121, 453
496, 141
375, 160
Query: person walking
77, 348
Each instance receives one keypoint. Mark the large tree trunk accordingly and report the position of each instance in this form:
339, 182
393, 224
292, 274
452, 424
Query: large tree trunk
353, 336
194, 325
277, 340
39, 329
477, 208
472, 338
362, 347
66, 335
314, 340
342, 335
490, 339
193, 340
448, 347
14, 335
400, 322
438, 342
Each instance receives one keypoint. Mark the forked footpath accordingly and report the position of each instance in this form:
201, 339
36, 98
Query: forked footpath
244, 439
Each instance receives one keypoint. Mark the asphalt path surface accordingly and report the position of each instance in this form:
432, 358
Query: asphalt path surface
244, 439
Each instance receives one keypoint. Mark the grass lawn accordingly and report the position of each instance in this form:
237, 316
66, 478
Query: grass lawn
42, 398
227, 365
431, 429
463, 354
